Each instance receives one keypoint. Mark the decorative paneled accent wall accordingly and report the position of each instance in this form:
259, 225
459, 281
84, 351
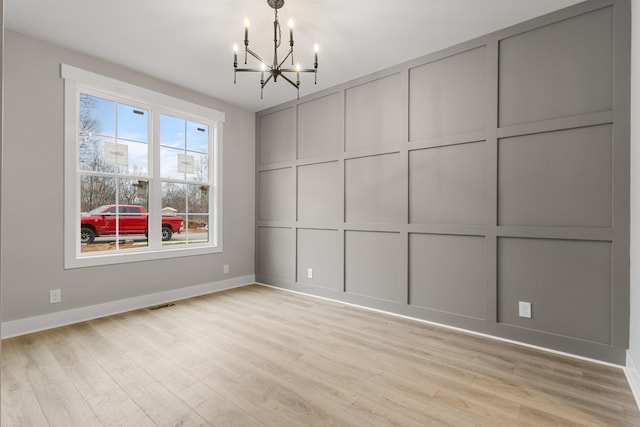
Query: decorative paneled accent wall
456, 185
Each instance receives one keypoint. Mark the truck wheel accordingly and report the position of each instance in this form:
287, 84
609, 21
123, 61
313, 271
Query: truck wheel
167, 233
87, 235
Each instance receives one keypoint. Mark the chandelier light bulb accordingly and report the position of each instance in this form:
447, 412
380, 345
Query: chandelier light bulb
235, 55
263, 66
246, 38
315, 57
291, 34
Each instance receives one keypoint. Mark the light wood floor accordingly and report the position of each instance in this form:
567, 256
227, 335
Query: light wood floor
256, 356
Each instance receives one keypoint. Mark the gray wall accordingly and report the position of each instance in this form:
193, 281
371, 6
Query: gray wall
32, 196
452, 187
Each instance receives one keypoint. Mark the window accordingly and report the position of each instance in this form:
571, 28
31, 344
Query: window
142, 173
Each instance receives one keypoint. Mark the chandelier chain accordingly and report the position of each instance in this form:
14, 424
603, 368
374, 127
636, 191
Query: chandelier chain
279, 36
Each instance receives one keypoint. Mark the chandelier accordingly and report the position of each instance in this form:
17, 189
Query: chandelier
276, 69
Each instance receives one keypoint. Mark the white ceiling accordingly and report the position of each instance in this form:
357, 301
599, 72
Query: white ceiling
189, 42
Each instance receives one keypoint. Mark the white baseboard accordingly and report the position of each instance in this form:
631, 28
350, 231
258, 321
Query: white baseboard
633, 377
28, 325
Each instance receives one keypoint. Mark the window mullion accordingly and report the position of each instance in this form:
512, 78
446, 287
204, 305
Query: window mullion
155, 185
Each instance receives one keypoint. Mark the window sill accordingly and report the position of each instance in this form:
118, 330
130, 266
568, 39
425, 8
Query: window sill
101, 258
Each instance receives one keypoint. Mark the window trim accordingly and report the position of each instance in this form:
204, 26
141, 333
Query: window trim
74, 80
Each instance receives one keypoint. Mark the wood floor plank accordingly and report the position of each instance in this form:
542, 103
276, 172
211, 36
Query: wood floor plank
216, 409
162, 406
109, 402
20, 406
233, 388
59, 399
256, 356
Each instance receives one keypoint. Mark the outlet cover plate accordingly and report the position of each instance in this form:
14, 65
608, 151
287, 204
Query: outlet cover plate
524, 309
55, 296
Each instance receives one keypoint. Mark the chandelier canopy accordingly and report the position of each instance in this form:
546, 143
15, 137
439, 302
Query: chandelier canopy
276, 69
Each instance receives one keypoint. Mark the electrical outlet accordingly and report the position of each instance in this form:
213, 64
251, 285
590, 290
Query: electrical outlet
55, 296
226, 268
524, 309
309, 273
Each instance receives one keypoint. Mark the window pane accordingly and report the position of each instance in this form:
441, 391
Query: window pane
197, 137
91, 154
198, 199
97, 116
96, 191
173, 206
133, 192
97, 195
200, 167
174, 196
133, 123
133, 214
197, 229
172, 131
169, 159
137, 158
197, 215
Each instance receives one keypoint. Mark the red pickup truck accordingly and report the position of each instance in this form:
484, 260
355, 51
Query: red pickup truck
132, 219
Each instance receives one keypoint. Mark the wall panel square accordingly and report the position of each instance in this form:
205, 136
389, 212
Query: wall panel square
559, 70
369, 122
318, 127
373, 189
276, 202
559, 178
372, 265
447, 185
320, 251
447, 273
275, 140
567, 282
276, 249
319, 192
448, 96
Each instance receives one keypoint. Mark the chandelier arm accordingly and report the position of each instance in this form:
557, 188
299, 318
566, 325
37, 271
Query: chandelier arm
302, 70
285, 58
245, 70
289, 80
266, 81
255, 55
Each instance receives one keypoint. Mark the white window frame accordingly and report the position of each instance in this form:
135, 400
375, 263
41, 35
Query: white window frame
78, 81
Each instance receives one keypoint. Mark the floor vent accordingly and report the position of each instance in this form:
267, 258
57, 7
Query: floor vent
157, 307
